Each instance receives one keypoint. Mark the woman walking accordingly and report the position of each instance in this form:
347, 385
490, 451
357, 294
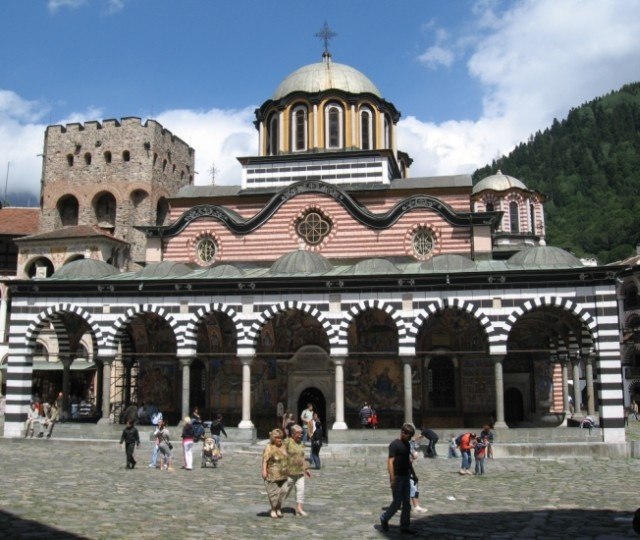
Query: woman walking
316, 441
164, 445
188, 436
274, 472
297, 467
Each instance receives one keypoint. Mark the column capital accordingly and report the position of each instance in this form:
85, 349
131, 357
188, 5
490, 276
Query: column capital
339, 360
498, 358
185, 361
408, 360
66, 361
246, 360
107, 360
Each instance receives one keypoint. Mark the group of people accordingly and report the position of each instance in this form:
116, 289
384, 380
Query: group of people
43, 417
162, 457
312, 433
481, 447
368, 417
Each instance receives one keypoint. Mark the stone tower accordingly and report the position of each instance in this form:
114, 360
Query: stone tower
112, 176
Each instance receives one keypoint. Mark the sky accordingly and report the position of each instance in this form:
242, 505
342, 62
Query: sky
472, 79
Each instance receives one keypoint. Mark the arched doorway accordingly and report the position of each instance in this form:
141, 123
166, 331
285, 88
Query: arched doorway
513, 406
314, 396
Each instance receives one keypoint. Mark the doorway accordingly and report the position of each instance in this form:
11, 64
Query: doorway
513, 406
316, 398
198, 388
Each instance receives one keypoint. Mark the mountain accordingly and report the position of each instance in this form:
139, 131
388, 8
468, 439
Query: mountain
589, 167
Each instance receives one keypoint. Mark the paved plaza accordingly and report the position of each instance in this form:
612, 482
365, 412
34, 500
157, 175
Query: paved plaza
64, 489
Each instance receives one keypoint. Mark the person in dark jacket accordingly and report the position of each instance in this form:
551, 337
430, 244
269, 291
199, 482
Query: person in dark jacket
316, 441
216, 429
131, 438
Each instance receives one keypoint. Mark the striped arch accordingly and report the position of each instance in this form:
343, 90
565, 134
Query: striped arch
191, 329
589, 325
52, 314
453, 303
118, 330
268, 314
366, 305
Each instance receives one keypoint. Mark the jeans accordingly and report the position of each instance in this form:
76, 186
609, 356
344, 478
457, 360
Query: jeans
216, 438
479, 465
305, 433
466, 459
154, 456
401, 497
315, 456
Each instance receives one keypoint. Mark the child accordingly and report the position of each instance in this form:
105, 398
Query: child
413, 484
453, 452
131, 438
480, 453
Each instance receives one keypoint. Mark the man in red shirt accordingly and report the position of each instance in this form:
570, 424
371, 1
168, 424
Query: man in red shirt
467, 442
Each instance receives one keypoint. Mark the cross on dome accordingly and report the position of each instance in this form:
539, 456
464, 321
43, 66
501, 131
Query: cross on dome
325, 35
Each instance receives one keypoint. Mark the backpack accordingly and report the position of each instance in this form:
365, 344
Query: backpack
458, 440
198, 431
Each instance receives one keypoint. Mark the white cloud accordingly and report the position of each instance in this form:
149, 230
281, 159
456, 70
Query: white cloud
218, 136
534, 62
436, 56
107, 6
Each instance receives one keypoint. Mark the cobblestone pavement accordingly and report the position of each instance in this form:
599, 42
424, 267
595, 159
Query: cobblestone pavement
63, 489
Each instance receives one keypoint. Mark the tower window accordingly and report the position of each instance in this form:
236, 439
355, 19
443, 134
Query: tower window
387, 132
87, 158
107, 157
366, 129
532, 211
126, 156
514, 217
70, 160
489, 207
334, 129
272, 135
299, 129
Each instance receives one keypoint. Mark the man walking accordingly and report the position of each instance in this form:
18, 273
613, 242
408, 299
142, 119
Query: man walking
400, 471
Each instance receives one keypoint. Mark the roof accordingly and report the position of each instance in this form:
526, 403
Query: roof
77, 231
300, 262
326, 75
85, 269
19, 221
499, 182
545, 256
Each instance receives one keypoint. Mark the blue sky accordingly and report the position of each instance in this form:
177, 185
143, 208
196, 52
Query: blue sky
472, 79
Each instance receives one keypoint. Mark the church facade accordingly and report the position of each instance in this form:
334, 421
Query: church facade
328, 275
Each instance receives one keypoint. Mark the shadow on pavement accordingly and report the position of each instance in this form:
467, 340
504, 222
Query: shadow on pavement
12, 526
562, 523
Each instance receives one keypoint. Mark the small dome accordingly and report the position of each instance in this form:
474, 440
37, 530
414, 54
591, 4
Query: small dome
499, 182
448, 263
301, 262
85, 269
220, 271
166, 269
545, 256
374, 266
326, 75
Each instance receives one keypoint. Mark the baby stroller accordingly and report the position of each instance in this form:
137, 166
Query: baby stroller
210, 453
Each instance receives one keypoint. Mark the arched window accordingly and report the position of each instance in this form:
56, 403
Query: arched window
87, 158
367, 130
107, 157
334, 132
272, 135
126, 156
532, 211
162, 211
70, 160
387, 132
68, 210
489, 206
299, 129
105, 209
514, 217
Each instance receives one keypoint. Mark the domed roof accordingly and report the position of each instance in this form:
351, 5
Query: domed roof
374, 266
220, 271
301, 262
85, 269
326, 75
166, 269
545, 256
448, 262
499, 182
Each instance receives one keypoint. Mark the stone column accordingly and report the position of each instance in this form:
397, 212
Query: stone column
339, 364
407, 363
565, 390
591, 405
316, 123
3, 316
246, 422
98, 363
185, 366
577, 396
127, 364
425, 383
66, 383
499, 383
106, 389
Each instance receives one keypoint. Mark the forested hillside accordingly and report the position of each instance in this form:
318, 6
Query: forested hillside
589, 167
